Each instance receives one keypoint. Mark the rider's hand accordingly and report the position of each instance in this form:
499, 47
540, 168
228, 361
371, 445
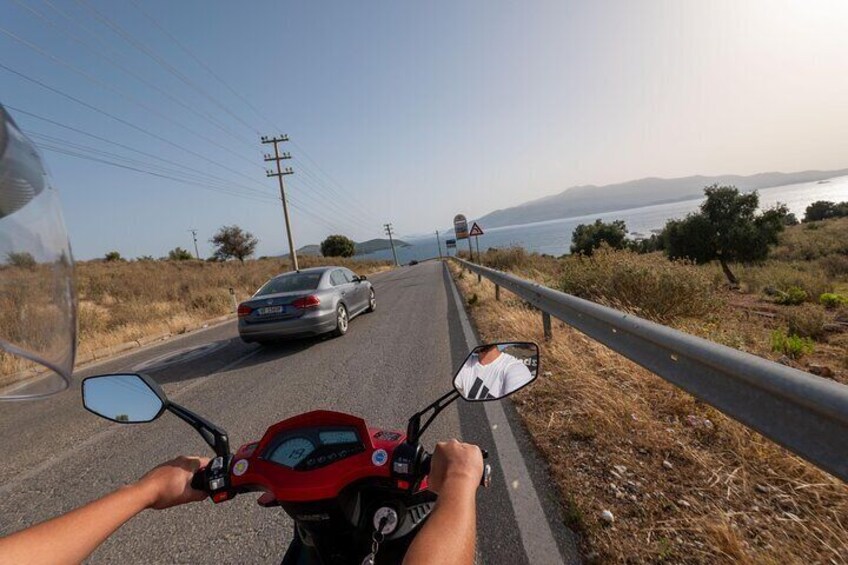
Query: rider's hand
169, 484
455, 463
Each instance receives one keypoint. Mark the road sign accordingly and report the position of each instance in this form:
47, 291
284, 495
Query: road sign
475, 230
460, 226
450, 243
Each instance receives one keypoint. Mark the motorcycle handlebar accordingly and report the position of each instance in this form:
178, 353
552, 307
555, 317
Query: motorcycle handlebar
485, 480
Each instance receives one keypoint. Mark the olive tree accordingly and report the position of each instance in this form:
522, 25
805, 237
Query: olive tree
727, 228
233, 242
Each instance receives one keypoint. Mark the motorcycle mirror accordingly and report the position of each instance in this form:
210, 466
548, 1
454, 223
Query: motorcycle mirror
123, 398
496, 370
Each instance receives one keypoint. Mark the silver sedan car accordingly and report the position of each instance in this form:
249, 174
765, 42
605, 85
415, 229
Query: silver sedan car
305, 303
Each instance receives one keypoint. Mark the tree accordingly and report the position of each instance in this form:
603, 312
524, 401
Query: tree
588, 237
22, 259
179, 254
233, 242
727, 228
819, 210
822, 210
113, 256
338, 246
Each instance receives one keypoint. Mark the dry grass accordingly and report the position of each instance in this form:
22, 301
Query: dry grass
685, 483
124, 301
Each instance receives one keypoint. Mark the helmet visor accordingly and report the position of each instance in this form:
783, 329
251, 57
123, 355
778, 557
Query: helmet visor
37, 300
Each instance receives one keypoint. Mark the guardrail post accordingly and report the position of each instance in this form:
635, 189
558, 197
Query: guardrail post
479, 278
546, 323
497, 292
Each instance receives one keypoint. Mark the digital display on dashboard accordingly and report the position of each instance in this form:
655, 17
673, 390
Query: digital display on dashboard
292, 451
338, 436
310, 448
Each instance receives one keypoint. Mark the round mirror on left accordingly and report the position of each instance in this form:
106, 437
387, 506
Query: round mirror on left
127, 399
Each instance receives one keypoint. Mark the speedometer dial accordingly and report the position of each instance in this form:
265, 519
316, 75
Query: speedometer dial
292, 451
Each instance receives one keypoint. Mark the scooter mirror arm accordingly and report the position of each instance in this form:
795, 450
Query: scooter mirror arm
211, 434
415, 429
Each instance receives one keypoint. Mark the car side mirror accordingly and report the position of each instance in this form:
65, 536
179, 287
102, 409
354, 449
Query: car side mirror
359, 278
496, 370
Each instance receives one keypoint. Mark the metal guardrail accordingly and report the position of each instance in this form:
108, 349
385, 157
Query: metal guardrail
800, 411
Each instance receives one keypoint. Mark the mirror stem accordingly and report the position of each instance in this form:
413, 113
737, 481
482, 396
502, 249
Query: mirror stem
212, 434
415, 429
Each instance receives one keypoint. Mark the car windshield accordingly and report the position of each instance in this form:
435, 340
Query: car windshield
290, 283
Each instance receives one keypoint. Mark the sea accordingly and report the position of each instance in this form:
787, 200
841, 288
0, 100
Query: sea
554, 236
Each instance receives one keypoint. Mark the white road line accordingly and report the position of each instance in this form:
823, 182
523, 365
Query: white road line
536, 535
111, 429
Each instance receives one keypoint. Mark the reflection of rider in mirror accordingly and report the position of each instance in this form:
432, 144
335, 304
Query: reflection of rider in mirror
489, 373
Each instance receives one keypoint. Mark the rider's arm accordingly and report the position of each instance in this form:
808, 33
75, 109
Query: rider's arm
72, 537
451, 530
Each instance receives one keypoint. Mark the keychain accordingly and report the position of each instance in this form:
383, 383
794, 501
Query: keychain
376, 540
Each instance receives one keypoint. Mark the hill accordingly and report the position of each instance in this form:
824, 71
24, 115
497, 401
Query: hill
591, 199
362, 247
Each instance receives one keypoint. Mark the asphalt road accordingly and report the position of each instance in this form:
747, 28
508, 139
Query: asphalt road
57, 456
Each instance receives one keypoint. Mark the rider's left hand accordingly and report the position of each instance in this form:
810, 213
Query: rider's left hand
169, 484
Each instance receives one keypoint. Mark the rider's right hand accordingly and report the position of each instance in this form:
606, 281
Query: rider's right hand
169, 484
455, 463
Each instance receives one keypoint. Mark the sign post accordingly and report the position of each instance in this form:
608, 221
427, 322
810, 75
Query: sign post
460, 228
476, 232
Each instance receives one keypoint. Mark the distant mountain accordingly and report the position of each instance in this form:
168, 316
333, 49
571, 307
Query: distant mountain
373, 245
591, 199
362, 247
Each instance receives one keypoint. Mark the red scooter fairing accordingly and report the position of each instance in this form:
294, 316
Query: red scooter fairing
312, 469
356, 494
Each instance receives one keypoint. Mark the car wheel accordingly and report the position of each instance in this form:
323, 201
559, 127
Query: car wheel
342, 320
372, 301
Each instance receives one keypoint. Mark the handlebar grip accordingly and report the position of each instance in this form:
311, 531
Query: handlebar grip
198, 481
485, 480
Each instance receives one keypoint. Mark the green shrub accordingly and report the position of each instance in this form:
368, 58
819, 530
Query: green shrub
807, 320
791, 345
649, 285
791, 296
832, 300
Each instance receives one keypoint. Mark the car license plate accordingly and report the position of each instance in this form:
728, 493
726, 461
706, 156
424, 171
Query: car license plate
272, 310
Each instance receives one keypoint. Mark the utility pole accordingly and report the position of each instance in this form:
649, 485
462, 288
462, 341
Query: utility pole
439, 243
277, 157
390, 233
194, 235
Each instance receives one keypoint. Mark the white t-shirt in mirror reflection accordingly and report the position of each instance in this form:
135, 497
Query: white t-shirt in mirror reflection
499, 378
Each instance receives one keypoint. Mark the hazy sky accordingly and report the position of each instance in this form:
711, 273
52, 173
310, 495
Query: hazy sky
416, 111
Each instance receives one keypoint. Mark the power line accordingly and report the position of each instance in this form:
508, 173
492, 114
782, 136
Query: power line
120, 120
159, 60
119, 92
103, 53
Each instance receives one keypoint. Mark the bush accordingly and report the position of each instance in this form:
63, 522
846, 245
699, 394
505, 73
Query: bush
834, 265
792, 346
338, 246
792, 296
589, 237
832, 300
113, 256
505, 259
781, 276
21, 260
179, 254
807, 320
649, 285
